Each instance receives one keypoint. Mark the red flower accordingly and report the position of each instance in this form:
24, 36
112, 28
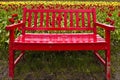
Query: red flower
108, 20
18, 21
109, 14
112, 9
11, 20
112, 22
118, 14
14, 15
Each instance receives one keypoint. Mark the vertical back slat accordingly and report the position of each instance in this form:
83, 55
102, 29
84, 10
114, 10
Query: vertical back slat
41, 19
88, 15
53, 19
77, 19
65, 19
59, 19
71, 19
94, 19
83, 20
35, 19
94, 15
29, 19
47, 20
24, 19
24, 14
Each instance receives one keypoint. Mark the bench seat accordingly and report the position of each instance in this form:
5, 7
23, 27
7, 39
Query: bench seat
59, 41
59, 38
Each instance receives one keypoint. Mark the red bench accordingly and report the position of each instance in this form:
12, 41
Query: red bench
81, 23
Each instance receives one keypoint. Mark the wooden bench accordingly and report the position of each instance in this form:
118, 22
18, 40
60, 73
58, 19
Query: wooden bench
74, 29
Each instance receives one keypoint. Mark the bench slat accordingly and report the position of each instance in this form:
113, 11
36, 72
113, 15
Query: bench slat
53, 19
41, 19
71, 19
88, 15
24, 15
60, 28
59, 38
59, 20
65, 19
35, 19
94, 19
47, 19
29, 19
59, 10
77, 20
83, 20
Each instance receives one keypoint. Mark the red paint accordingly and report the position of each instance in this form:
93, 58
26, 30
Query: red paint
59, 41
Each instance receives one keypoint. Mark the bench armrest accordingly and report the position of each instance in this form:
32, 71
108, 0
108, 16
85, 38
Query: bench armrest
105, 26
14, 26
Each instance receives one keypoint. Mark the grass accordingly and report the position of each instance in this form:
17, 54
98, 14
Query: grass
57, 62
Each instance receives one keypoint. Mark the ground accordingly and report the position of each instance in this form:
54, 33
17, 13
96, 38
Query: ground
64, 74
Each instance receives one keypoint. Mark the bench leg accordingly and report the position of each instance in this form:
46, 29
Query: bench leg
107, 64
11, 63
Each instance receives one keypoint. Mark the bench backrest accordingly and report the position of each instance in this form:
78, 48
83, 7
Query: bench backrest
59, 19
